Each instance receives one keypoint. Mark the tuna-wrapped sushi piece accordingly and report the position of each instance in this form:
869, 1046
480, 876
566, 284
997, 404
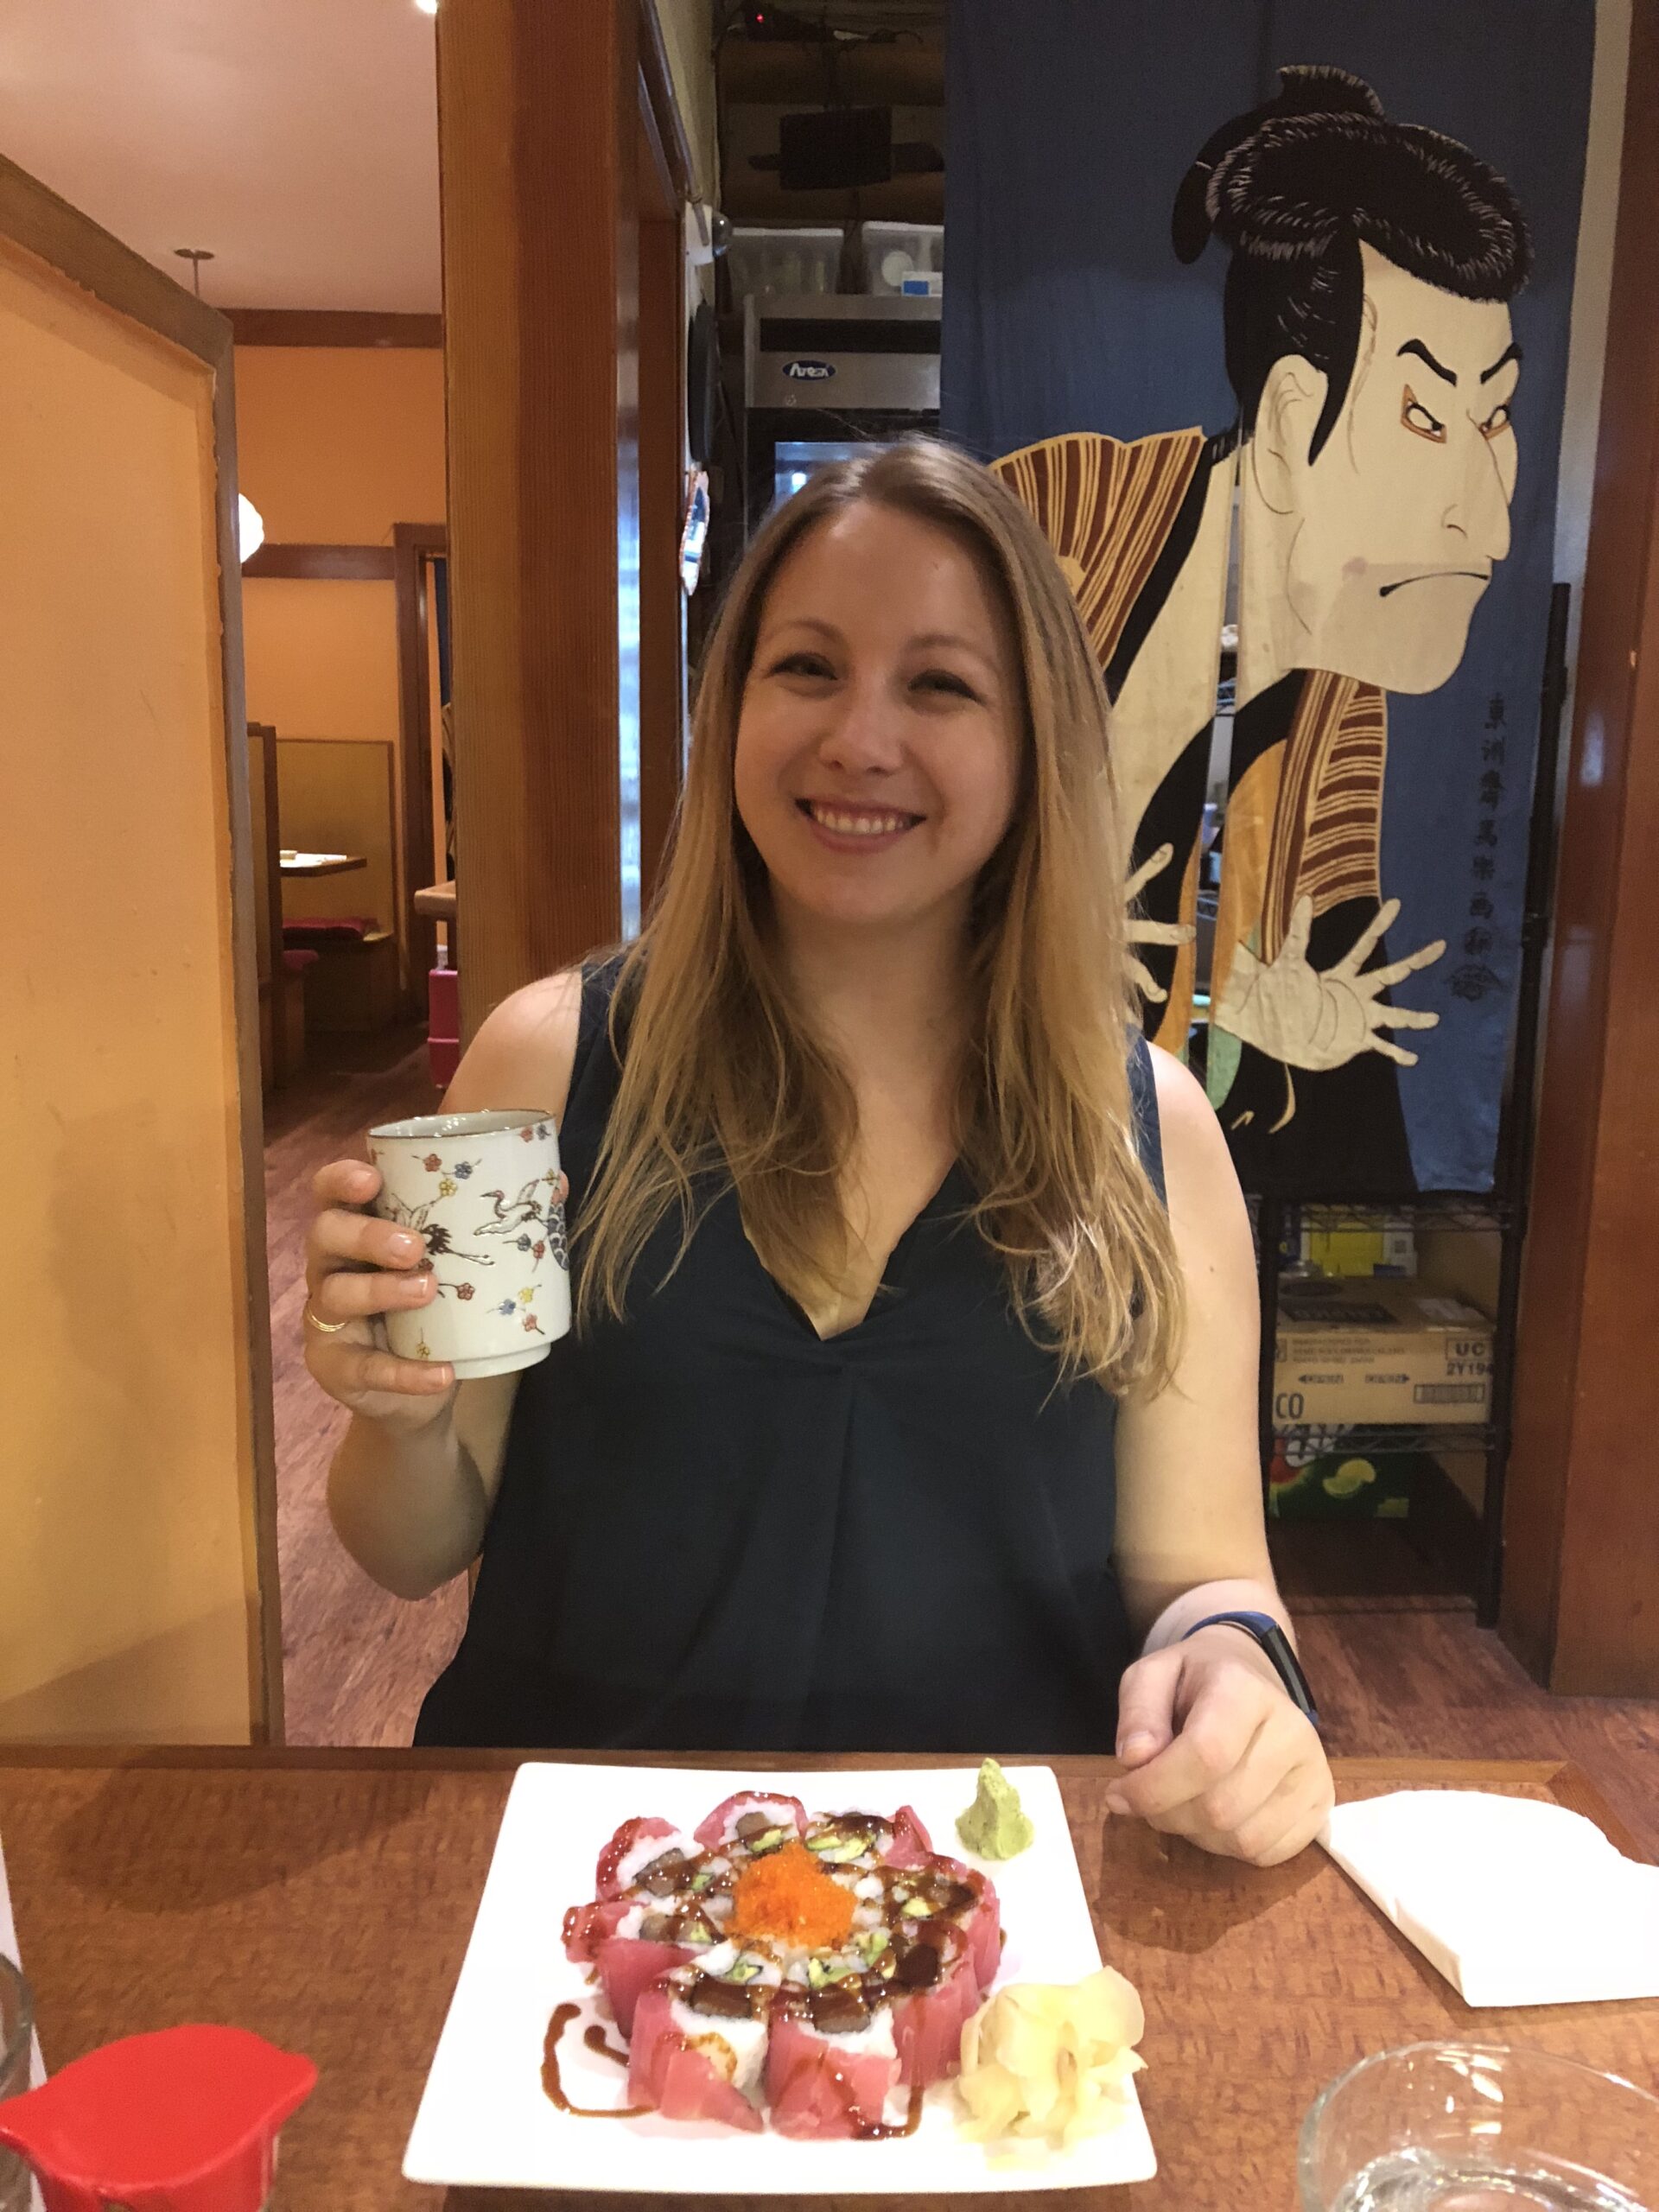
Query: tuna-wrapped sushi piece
587, 1926
649, 1941
645, 1853
928, 2015
911, 1845
831, 2061
948, 1945
661, 1901
753, 1821
699, 2048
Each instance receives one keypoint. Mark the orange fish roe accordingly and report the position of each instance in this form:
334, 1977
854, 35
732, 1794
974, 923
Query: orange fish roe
787, 1895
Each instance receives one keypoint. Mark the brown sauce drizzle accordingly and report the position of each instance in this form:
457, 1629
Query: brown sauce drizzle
597, 2040
884, 2133
563, 2016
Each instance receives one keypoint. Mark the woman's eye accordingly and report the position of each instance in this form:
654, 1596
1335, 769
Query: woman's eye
813, 666
1501, 419
1416, 417
945, 680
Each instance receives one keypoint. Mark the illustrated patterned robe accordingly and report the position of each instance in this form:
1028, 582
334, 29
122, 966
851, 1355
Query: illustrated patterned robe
1304, 812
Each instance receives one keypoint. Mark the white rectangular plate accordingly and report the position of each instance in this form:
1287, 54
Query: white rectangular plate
486, 2121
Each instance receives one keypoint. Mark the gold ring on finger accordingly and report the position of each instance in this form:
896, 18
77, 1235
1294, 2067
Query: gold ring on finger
315, 1321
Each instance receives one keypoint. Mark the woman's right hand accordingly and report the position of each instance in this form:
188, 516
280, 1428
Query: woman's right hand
357, 1267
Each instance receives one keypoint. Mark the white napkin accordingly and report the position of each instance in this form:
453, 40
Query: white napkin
1515, 1902
8, 1947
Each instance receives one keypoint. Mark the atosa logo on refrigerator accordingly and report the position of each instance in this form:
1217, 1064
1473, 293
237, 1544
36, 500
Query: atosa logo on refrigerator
806, 371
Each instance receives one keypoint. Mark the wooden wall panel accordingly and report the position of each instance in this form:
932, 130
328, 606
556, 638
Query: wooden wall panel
1581, 1581
662, 473
137, 1575
536, 145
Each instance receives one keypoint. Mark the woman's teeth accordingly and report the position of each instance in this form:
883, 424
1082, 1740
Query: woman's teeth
859, 825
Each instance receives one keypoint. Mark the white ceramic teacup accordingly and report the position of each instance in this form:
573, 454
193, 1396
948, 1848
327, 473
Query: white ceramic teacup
482, 1189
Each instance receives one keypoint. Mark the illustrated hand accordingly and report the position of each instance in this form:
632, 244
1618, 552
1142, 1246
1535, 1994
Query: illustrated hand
1292, 1012
1218, 1752
1139, 930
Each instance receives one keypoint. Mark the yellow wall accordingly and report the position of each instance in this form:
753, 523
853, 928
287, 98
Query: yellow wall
335, 444
127, 1576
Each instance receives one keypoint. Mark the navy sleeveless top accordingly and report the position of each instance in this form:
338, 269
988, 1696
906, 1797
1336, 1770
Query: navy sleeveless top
717, 1531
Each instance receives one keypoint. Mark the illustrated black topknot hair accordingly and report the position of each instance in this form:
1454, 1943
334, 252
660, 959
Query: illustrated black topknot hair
1293, 188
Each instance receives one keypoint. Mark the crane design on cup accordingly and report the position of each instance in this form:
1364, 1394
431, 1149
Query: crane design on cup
507, 1219
435, 1233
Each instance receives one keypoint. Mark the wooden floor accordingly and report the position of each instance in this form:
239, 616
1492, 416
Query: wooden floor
1394, 1672
355, 1659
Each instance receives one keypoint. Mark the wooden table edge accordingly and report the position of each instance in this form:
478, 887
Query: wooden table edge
1564, 1781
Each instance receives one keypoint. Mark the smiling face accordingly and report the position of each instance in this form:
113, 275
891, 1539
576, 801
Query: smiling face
879, 739
1397, 525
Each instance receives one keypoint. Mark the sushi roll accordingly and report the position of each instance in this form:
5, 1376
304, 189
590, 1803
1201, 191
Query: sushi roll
752, 1823
647, 1854
698, 2050
661, 1900
911, 1845
946, 1931
832, 2062
647, 1943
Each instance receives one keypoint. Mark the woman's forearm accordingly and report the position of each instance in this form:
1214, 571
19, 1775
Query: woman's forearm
410, 1509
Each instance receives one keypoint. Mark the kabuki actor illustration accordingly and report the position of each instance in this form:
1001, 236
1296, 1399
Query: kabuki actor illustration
1354, 273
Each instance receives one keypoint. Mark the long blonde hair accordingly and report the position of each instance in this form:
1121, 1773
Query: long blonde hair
722, 1079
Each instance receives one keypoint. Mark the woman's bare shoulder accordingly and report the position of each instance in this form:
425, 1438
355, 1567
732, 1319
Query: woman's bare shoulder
524, 1052
1198, 1167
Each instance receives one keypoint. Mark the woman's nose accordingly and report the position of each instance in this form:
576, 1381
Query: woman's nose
866, 735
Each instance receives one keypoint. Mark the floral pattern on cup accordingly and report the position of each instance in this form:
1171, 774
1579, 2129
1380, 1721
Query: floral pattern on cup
479, 1221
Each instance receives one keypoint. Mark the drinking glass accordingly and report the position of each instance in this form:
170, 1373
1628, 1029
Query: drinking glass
1467, 2128
17, 2028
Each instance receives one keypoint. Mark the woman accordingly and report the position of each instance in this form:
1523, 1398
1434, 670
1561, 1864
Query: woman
900, 1409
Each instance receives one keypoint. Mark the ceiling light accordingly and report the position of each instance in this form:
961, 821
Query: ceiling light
427, 7
249, 528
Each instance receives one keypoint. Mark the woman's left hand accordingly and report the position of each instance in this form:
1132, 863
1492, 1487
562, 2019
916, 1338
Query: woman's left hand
1216, 1752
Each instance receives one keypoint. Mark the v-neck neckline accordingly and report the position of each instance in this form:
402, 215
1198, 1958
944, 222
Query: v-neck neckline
896, 1261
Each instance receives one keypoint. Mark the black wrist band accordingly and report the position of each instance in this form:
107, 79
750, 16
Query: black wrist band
1273, 1640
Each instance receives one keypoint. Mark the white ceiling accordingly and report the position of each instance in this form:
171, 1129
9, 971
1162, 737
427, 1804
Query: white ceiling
297, 139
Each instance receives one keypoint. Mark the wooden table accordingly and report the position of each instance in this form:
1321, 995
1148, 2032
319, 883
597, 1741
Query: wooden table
325, 1899
436, 901
309, 864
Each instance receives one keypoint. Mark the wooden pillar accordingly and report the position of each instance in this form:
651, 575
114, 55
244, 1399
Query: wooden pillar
412, 545
537, 122
1581, 1581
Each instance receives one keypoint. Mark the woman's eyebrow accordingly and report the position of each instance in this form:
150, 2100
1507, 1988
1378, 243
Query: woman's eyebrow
949, 638
802, 622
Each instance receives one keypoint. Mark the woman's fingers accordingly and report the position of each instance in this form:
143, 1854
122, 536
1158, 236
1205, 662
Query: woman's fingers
1211, 1740
346, 1183
352, 1372
350, 1295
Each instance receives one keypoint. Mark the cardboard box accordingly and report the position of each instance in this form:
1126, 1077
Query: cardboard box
1379, 1353
1377, 1244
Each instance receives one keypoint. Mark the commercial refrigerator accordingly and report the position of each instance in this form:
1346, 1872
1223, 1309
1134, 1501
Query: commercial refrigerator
827, 376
